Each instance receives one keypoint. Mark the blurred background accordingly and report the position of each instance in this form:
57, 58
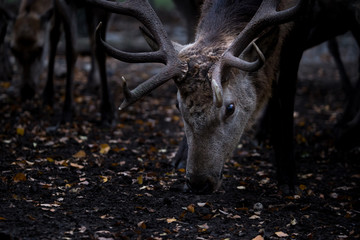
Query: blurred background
317, 63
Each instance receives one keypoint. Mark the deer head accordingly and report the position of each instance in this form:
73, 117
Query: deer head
216, 76
29, 42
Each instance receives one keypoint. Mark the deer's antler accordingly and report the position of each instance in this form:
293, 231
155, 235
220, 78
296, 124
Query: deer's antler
166, 54
266, 16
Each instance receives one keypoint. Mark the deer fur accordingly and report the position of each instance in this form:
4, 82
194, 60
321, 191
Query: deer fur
211, 137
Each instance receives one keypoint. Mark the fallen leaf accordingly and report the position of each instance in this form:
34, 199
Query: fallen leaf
258, 237
201, 204
104, 179
203, 227
104, 148
48, 205
142, 225
140, 179
293, 222
281, 234
170, 220
191, 208
20, 131
75, 165
334, 195
82, 229
19, 177
80, 154
5, 85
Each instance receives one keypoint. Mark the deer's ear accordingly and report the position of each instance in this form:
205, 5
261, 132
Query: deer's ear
178, 47
47, 15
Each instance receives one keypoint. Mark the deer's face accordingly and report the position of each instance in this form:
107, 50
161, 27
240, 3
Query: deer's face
28, 38
212, 132
28, 44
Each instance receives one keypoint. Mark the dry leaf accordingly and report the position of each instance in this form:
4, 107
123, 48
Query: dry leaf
191, 208
104, 148
201, 204
19, 177
76, 165
140, 179
203, 227
258, 237
281, 234
170, 220
293, 222
142, 225
20, 131
104, 179
80, 154
5, 85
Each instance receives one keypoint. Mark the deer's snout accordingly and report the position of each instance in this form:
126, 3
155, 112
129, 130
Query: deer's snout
203, 184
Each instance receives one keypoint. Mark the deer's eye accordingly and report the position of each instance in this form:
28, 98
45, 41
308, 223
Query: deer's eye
230, 108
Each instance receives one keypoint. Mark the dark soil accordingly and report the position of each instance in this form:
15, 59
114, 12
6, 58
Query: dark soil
85, 181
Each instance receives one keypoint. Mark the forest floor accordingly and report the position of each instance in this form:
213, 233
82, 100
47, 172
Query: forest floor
83, 181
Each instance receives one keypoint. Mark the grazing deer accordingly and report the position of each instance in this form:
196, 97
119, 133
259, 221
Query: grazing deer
29, 43
37, 28
244, 53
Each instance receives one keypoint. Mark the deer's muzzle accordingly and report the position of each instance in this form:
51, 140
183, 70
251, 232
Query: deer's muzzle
203, 184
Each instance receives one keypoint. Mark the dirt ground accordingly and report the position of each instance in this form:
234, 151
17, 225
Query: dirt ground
83, 181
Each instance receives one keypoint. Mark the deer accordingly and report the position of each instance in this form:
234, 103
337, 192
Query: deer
29, 42
326, 24
245, 54
36, 33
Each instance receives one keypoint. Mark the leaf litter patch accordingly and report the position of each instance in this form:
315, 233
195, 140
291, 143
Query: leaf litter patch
80, 180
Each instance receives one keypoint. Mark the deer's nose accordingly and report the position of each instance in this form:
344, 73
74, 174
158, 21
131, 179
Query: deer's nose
202, 184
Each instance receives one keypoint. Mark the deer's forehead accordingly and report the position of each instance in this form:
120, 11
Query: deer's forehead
195, 87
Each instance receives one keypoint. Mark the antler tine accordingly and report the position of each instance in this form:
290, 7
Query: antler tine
166, 54
266, 16
141, 57
145, 87
142, 11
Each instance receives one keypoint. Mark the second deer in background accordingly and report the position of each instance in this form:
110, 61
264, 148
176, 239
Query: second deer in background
37, 31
